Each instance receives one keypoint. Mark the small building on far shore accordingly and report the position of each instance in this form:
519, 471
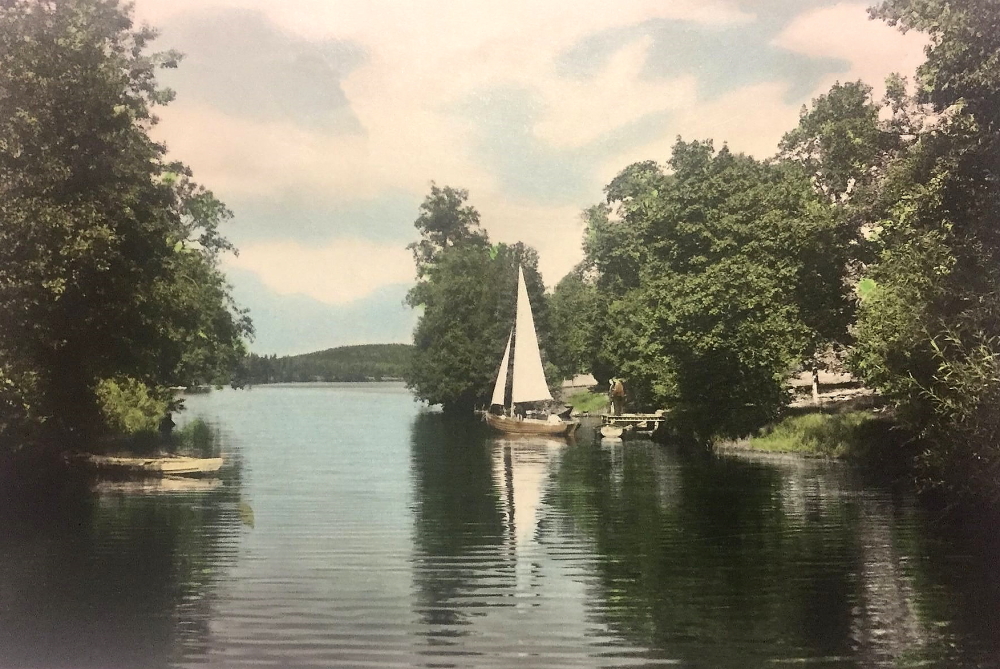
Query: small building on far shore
579, 381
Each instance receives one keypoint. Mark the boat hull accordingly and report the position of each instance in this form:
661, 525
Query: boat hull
612, 431
509, 425
155, 466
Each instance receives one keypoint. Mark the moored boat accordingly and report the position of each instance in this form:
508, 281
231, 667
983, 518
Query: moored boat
154, 465
527, 379
612, 431
514, 425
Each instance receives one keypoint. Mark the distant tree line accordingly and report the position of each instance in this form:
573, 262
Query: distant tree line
368, 362
871, 240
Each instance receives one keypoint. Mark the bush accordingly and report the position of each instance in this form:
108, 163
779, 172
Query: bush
129, 407
196, 438
18, 399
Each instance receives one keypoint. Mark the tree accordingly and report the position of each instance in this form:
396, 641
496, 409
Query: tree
444, 221
838, 141
928, 330
576, 315
963, 55
468, 302
729, 255
467, 291
108, 253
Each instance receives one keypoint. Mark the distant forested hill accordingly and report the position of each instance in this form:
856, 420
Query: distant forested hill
368, 362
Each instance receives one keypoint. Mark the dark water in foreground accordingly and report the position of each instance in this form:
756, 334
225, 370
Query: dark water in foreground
382, 535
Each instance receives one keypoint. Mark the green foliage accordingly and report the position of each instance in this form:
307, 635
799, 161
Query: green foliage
834, 435
196, 439
576, 314
469, 302
468, 295
130, 407
444, 221
586, 401
839, 139
365, 362
108, 253
929, 336
721, 277
963, 59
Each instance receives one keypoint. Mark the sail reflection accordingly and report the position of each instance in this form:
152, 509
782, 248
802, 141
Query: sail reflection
500, 573
521, 469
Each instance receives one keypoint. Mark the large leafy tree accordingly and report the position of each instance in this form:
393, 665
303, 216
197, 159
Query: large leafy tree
108, 252
728, 271
576, 314
468, 298
929, 324
839, 140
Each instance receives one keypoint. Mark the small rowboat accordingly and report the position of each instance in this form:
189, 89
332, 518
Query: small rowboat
161, 466
612, 431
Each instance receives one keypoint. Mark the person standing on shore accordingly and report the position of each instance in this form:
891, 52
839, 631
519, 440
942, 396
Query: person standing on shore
617, 396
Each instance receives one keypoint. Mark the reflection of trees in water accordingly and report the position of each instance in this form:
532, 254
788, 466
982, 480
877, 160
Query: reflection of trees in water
740, 561
458, 518
481, 568
113, 580
951, 583
885, 625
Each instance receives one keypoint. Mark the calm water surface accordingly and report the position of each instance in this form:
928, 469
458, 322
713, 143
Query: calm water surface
350, 527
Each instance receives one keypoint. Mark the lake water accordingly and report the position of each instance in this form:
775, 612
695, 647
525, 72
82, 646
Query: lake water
351, 527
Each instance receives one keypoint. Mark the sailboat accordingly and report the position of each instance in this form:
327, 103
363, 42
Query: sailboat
528, 379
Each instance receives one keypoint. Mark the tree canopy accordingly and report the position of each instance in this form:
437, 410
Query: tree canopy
722, 275
468, 297
444, 221
928, 328
108, 252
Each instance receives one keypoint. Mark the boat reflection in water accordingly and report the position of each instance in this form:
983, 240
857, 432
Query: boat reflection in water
521, 469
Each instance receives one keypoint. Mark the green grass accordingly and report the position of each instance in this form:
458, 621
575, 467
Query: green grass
831, 435
586, 401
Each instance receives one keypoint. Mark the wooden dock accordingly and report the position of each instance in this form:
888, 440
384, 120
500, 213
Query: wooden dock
639, 422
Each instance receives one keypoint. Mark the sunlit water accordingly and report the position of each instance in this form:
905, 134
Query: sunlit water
351, 527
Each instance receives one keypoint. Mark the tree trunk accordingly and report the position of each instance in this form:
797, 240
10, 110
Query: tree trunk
815, 385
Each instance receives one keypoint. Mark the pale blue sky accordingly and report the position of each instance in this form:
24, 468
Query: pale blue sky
322, 123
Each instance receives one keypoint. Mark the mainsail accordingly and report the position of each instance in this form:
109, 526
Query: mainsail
529, 379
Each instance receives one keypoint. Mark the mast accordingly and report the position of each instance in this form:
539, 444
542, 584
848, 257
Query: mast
529, 378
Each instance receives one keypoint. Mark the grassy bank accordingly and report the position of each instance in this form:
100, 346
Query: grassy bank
585, 401
855, 434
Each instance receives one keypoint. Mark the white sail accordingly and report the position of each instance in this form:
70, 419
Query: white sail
529, 379
501, 385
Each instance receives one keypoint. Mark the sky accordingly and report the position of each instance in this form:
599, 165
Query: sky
322, 123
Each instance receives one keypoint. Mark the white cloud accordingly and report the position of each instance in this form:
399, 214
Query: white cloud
239, 156
753, 119
555, 232
339, 273
423, 58
873, 48
750, 120
579, 111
